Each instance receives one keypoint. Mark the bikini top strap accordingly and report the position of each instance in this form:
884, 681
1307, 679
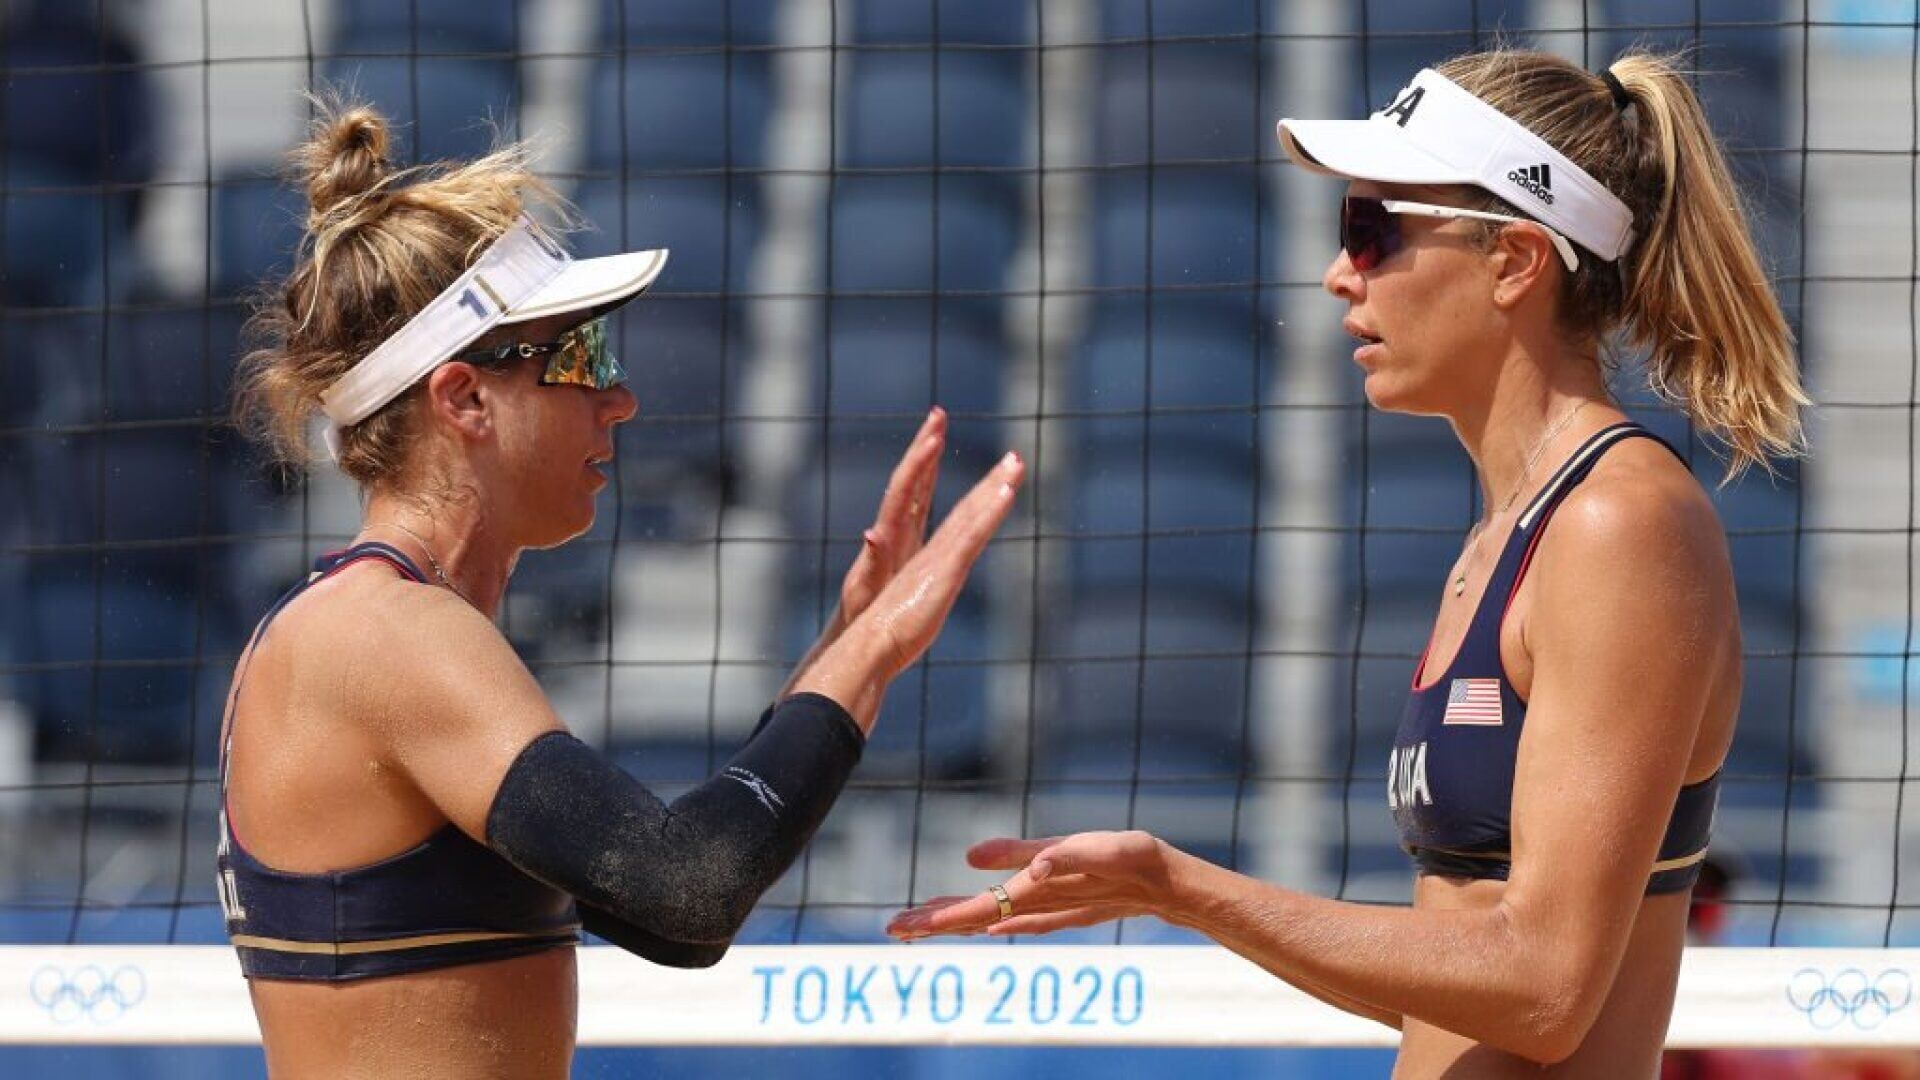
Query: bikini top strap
1512, 567
1580, 464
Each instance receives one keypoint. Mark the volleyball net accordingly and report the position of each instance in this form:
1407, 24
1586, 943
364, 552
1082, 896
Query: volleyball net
1066, 221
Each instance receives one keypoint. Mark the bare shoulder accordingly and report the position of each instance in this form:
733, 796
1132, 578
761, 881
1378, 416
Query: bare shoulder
390, 645
1640, 506
1641, 522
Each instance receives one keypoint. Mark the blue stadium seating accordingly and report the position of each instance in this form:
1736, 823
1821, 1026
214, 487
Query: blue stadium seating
129, 462
111, 639
1204, 229
890, 108
884, 235
662, 23
685, 103
693, 110
977, 22
1127, 19
1195, 100
1167, 382
1205, 355
60, 229
96, 123
711, 238
441, 107
58, 237
1205, 501
889, 357
257, 225
430, 26
1174, 679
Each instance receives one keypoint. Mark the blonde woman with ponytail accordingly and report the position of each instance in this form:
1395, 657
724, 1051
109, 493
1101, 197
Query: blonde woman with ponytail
410, 841
1508, 219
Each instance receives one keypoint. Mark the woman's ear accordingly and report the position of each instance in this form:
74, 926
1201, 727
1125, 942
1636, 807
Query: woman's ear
458, 395
1523, 259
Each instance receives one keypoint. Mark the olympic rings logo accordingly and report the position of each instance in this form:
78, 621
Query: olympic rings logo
1849, 997
88, 992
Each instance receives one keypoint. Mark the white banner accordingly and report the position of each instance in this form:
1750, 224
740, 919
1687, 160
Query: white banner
954, 995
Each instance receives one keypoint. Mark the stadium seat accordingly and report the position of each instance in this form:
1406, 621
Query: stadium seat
688, 22
257, 223
884, 227
887, 357
1122, 19
1403, 38
889, 109
674, 110
1180, 690
711, 238
1201, 507
910, 22
58, 235
94, 123
1193, 100
431, 26
110, 640
1205, 355
77, 115
1204, 229
441, 107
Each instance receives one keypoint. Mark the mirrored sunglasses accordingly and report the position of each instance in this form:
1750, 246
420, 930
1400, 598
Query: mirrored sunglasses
579, 357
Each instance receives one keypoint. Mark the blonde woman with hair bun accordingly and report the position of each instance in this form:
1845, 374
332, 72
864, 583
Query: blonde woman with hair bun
410, 841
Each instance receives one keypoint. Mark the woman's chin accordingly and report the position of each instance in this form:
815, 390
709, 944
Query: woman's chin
562, 526
1386, 393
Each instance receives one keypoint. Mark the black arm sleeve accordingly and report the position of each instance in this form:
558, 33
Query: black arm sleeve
674, 883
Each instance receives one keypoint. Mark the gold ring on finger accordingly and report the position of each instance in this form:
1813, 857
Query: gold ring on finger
1000, 897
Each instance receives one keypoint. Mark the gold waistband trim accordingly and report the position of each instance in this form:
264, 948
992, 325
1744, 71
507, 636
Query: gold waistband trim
1660, 867
424, 941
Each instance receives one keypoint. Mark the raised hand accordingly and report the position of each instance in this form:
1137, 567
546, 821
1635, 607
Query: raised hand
898, 533
900, 623
1081, 880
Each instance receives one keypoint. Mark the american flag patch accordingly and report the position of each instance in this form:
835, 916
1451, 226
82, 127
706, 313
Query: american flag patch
1473, 701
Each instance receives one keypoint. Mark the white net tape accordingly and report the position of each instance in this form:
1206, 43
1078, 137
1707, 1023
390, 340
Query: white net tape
955, 995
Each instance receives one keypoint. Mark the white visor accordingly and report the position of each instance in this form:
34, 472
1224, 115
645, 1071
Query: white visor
1437, 133
523, 275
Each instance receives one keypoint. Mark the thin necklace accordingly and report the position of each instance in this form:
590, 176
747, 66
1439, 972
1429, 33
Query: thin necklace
1479, 527
431, 561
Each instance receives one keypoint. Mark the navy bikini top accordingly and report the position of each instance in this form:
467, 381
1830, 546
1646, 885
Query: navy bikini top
449, 900
1450, 776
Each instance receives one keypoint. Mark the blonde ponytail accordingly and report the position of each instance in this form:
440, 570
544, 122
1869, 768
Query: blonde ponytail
1696, 296
1691, 292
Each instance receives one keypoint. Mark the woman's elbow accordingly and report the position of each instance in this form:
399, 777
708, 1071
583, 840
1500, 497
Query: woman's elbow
1555, 1023
713, 920
712, 904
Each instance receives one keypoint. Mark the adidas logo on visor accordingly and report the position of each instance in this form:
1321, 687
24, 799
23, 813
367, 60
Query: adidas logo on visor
1536, 179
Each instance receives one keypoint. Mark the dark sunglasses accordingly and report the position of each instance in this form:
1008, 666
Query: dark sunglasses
1370, 228
579, 357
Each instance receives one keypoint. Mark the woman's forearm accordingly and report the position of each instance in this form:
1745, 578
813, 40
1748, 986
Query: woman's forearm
1473, 972
852, 670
